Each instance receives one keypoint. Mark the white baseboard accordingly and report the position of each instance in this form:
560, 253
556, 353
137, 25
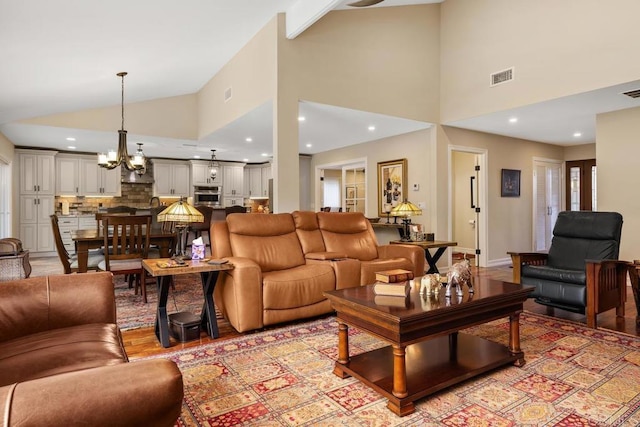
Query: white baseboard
502, 262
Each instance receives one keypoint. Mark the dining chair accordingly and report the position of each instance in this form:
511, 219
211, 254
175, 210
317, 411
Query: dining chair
70, 262
125, 246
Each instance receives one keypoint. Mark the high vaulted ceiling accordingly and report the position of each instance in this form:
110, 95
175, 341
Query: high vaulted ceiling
63, 55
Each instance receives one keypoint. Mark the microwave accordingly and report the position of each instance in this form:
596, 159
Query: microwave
211, 196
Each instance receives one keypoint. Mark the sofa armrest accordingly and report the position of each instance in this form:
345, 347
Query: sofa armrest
238, 294
518, 259
140, 393
415, 254
43, 303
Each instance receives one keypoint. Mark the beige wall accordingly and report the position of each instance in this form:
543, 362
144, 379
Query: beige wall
383, 60
414, 146
6, 149
558, 48
617, 153
251, 75
174, 117
580, 152
509, 218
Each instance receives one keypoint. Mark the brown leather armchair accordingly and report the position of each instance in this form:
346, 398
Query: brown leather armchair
62, 359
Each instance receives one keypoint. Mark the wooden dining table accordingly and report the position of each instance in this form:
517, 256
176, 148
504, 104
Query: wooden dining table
86, 239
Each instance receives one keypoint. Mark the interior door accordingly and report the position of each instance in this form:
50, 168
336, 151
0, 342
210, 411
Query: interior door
581, 185
465, 207
547, 201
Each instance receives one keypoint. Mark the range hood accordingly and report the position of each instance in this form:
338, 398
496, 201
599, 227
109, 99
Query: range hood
131, 177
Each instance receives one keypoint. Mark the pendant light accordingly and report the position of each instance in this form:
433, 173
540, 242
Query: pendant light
214, 166
114, 159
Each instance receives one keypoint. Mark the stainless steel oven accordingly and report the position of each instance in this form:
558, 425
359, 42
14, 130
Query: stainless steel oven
211, 196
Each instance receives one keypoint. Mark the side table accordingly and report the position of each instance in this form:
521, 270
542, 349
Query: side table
432, 260
209, 276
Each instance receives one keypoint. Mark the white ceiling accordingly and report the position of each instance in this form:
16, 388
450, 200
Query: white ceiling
63, 56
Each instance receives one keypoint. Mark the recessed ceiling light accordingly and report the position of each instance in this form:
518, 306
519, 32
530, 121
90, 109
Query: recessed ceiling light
264, 154
577, 135
513, 120
71, 147
249, 139
245, 160
301, 118
195, 156
309, 145
71, 139
371, 128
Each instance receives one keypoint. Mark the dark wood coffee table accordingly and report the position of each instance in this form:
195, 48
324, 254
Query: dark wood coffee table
427, 353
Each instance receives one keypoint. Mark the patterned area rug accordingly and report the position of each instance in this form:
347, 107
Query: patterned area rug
133, 313
574, 376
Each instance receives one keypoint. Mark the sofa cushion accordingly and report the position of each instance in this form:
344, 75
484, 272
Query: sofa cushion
308, 231
546, 272
297, 287
270, 240
60, 350
350, 233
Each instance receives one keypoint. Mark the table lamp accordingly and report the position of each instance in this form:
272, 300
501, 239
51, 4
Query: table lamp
405, 210
182, 213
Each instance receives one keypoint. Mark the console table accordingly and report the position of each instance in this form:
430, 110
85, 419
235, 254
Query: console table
432, 259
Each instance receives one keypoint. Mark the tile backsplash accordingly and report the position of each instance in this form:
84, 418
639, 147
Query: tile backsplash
133, 195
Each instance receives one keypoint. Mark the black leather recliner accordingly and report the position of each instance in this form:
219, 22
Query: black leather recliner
581, 272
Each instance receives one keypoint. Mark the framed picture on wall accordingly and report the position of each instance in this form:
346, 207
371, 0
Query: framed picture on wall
392, 185
510, 183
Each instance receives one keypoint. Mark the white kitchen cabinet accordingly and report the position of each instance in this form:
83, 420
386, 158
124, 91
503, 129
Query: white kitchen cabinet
37, 172
233, 181
201, 175
172, 178
67, 224
266, 176
232, 201
67, 175
98, 181
37, 177
35, 223
253, 175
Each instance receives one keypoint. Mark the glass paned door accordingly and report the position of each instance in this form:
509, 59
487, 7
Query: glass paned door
581, 185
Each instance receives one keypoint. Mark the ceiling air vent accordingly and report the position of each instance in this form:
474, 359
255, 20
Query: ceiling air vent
227, 94
632, 93
501, 77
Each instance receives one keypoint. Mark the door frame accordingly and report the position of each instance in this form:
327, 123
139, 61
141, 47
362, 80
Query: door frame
483, 223
319, 176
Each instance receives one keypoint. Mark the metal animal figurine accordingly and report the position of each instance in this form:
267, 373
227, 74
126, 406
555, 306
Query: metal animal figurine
459, 274
429, 284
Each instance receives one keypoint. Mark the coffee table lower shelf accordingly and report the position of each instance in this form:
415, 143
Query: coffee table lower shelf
431, 366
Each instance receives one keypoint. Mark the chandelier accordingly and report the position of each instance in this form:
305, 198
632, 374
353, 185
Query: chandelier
214, 166
114, 159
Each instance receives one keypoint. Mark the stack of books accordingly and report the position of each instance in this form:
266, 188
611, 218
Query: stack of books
393, 282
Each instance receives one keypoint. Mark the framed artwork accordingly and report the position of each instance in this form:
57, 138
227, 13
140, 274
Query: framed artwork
352, 192
392, 185
510, 183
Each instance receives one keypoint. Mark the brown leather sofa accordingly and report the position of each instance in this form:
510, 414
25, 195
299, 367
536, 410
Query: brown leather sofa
62, 359
284, 263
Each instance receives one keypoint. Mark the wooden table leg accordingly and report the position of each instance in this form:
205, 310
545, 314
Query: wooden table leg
343, 350
399, 407
82, 252
162, 320
432, 260
208, 319
514, 339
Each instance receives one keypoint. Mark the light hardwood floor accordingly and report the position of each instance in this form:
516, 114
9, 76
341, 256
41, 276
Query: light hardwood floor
142, 342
